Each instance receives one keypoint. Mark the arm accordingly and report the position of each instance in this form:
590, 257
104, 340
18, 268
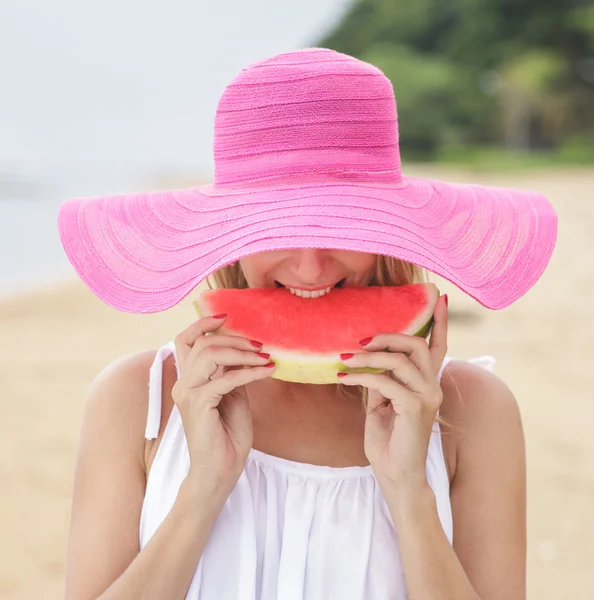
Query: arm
104, 560
488, 497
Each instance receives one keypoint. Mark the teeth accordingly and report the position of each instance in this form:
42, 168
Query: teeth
308, 294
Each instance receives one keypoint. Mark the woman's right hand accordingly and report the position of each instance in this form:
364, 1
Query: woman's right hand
216, 418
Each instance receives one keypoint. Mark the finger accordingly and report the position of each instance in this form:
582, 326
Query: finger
216, 389
185, 341
414, 347
211, 358
396, 363
438, 342
391, 390
227, 341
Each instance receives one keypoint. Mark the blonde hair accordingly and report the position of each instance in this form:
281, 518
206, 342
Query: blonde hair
388, 271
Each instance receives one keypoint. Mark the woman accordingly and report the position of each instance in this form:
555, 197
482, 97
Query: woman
222, 482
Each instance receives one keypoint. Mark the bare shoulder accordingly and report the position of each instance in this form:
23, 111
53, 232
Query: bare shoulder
110, 477
473, 395
485, 442
123, 384
127, 372
118, 398
477, 405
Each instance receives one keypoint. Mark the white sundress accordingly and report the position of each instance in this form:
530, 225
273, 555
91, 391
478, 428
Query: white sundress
289, 530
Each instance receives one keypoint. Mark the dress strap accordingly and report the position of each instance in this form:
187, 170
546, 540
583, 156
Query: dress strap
153, 420
487, 362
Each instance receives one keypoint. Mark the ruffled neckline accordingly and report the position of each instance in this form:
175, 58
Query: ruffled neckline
301, 468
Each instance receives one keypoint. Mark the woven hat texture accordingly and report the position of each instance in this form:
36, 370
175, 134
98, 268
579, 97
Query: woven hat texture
306, 156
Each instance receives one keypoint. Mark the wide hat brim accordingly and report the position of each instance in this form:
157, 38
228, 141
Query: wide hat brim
145, 252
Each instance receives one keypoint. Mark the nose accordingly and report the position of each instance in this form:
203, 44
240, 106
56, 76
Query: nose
309, 265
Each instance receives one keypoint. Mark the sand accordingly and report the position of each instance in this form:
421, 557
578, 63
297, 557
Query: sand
56, 340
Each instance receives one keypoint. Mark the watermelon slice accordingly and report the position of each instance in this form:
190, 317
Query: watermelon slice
305, 336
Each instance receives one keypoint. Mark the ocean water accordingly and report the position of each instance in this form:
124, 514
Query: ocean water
31, 254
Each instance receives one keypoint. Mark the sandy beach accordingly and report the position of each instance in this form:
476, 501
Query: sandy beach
55, 341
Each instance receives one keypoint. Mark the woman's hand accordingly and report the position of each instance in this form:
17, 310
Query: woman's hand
403, 401
216, 418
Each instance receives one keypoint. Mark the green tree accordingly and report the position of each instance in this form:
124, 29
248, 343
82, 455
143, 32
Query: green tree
520, 72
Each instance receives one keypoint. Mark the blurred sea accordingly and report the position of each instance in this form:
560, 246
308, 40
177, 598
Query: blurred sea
31, 254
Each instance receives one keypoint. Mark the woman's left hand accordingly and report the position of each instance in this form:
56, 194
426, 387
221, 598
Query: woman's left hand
403, 401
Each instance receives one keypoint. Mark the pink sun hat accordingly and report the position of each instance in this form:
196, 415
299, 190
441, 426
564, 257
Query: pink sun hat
307, 156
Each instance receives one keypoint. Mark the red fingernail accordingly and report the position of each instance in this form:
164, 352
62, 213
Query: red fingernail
346, 356
263, 354
341, 374
446, 299
219, 316
270, 365
365, 341
255, 344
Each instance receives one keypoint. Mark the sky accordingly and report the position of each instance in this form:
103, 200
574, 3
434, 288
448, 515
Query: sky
132, 85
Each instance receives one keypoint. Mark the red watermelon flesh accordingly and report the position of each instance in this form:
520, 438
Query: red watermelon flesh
305, 336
